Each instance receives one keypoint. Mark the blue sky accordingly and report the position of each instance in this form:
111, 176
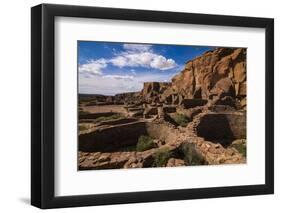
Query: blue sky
109, 68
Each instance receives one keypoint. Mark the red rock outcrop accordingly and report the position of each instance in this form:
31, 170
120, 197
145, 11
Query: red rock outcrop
216, 74
152, 91
220, 72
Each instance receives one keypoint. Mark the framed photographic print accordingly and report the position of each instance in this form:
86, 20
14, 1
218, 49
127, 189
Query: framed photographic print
139, 106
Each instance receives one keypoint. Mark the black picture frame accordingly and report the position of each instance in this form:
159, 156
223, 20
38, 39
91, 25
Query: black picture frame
43, 117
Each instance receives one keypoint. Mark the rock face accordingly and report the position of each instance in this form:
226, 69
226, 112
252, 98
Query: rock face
152, 91
217, 73
129, 97
212, 76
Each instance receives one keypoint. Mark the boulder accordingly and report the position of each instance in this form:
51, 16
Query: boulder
224, 87
241, 89
239, 71
172, 162
152, 91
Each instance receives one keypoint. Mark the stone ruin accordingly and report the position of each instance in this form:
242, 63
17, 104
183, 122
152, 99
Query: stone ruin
211, 95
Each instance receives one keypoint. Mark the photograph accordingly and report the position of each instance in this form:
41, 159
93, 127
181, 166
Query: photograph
133, 105
160, 105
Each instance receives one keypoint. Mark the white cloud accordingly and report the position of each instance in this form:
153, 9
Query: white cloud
108, 85
93, 67
120, 77
119, 61
135, 55
160, 62
114, 84
137, 47
143, 59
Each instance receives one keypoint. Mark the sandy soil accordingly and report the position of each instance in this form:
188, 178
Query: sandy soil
105, 108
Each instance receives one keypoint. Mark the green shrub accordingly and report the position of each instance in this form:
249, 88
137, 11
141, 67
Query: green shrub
181, 119
81, 112
144, 143
82, 128
161, 157
191, 155
85, 99
241, 148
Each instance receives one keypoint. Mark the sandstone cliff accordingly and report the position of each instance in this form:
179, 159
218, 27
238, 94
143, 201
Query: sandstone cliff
221, 72
218, 75
152, 91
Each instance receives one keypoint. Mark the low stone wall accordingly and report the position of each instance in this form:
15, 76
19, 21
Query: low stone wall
96, 115
118, 121
190, 103
112, 138
238, 124
115, 137
217, 126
